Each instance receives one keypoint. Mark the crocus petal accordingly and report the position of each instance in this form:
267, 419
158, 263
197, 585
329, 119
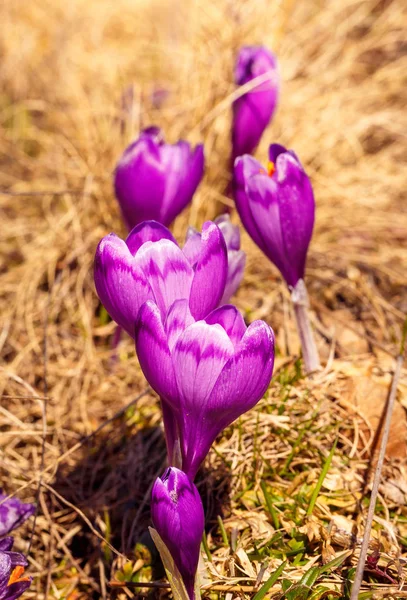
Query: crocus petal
153, 352
148, 231
178, 319
13, 513
231, 320
230, 232
184, 171
245, 168
167, 271
120, 285
177, 514
153, 132
5, 569
246, 375
140, 182
198, 357
17, 559
240, 385
265, 207
274, 152
192, 246
210, 272
236, 265
15, 590
297, 214
6, 544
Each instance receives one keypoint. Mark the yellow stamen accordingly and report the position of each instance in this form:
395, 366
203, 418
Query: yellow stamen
270, 168
15, 576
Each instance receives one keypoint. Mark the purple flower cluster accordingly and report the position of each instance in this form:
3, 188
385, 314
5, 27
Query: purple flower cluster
207, 366
196, 351
13, 581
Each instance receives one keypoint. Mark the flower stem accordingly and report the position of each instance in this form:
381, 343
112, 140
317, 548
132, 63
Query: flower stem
171, 436
299, 298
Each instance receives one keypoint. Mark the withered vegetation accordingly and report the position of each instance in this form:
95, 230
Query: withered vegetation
78, 429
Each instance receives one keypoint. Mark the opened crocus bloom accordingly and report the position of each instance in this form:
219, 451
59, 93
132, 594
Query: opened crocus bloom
277, 208
13, 513
150, 265
13, 582
178, 516
207, 372
253, 111
154, 180
236, 257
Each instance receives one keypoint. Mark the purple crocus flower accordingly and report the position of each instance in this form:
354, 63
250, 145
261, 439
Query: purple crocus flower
151, 265
236, 257
277, 208
12, 565
13, 513
208, 371
154, 180
178, 516
253, 111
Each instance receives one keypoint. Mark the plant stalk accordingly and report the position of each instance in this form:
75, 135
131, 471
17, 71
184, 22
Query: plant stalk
299, 298
172, 438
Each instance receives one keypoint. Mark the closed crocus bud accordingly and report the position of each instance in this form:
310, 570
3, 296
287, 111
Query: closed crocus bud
13, 583
13, 513
236, 257
277, 208
178, 516
154, 180
210, 371
151, 265
253, 111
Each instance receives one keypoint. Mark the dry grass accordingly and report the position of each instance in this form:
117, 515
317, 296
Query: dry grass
66, 67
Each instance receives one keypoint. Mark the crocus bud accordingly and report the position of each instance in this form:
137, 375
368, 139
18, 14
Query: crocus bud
210, 371
236, 257
253, 111
277, 208
151, 265
13, 583
13, 513
178, 516
154, 180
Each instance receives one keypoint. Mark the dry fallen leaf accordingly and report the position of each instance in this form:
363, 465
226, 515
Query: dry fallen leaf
366, 392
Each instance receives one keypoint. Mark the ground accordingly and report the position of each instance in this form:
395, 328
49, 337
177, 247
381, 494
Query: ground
79, 432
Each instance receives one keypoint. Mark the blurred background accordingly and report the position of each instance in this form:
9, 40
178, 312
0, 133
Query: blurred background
78, 81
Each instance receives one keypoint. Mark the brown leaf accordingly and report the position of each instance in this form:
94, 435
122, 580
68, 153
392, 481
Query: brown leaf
366, 393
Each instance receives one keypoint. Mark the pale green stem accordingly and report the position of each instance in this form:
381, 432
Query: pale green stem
300, 302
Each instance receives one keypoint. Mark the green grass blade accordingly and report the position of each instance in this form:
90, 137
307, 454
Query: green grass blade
270, 506
223, 531
321, 478
310, 577
270, 582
